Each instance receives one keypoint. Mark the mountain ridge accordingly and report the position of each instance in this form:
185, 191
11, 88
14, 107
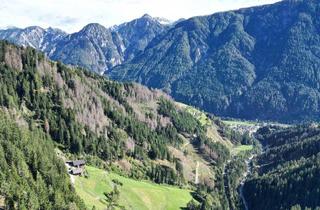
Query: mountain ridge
252, 63
107, 47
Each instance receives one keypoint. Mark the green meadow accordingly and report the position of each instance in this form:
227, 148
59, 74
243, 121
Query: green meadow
134, 194
242, 148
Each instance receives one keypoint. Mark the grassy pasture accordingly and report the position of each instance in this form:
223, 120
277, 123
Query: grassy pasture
133, 194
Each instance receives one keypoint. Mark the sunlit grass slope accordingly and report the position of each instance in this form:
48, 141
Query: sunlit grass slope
134, 194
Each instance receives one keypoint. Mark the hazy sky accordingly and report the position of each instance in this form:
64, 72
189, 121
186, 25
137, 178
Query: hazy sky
72, 15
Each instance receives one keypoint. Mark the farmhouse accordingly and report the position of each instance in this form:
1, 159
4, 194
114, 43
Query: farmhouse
76, 163
76, 167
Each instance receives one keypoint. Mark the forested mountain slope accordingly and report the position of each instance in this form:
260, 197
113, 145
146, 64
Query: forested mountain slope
286, 175
256, 63
123, 127
31, 176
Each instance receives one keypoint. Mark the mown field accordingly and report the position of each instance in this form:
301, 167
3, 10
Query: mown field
242, 148
134, 194
199, 115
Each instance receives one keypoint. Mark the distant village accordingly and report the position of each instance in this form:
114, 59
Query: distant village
251, 128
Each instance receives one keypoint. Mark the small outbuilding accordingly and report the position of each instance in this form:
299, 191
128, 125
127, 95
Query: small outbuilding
77, 171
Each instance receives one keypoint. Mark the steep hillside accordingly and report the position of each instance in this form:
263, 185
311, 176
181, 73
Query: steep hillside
286, 175
31, 176
255, 63
122, 127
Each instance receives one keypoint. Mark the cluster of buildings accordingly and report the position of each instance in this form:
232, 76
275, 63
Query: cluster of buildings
76, 167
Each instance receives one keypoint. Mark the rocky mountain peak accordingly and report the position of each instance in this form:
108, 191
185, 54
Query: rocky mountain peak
147, 16
160, 20
55, 30
94, 28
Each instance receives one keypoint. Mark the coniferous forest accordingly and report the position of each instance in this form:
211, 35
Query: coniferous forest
228, 119
46, 104
286, 174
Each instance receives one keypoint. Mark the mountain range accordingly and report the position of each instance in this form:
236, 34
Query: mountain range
95, 47
255, 63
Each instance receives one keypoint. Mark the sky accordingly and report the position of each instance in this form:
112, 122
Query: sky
72, 15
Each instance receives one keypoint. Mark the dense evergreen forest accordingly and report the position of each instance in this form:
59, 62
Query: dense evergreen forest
124, 127
31, 176
254, 63
286, 174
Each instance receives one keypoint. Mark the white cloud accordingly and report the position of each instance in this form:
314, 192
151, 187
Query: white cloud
72, 15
